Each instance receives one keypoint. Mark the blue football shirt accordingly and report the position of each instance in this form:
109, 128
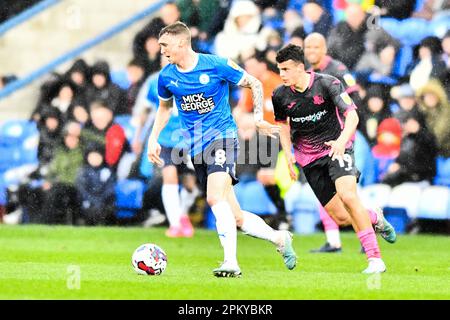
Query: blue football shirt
202, 99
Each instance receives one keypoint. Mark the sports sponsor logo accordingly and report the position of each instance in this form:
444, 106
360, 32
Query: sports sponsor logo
349, 80
311, 118
197, 102
233, 64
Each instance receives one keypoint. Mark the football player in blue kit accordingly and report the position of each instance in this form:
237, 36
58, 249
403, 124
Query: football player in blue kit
199, 85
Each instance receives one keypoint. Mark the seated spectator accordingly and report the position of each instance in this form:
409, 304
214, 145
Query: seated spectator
434, 104
241, 30
398, 9
347, 38
407, 103
145, 43
101, 129
418, 151
446, 49
136, 75
95, 184
50, 135
197, 14
387, 149
103, 88
297, 37
293, 25
79, 74
52, 197
429, 63
377, 64
78, 112
318, 16
372, 112
61, 204
431, 8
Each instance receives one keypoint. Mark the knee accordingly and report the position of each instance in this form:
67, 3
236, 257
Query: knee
349, 198
239, 220
213, 199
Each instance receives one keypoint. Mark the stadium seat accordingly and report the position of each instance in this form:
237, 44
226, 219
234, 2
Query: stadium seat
253, 198
442, 171
401, 30
398, 218
303, 205
125, 122
406, 196
403, 58
434, 203
439, 25
364, 160
129, 197
376, 195
14, 132
120, 77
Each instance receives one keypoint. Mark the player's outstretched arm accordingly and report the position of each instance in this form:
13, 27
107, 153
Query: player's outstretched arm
255, 85
161, 119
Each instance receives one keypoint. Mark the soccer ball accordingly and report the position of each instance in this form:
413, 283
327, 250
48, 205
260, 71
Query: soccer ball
149, 259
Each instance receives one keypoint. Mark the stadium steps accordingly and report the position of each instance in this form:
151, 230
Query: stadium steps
54, 32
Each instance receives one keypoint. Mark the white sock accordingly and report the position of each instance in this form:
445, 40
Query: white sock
256, 227
187, 199
333, 238
171, 201
226, 229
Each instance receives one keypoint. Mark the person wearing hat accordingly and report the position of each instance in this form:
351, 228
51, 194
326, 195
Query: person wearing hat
102, 88
417, 156
95, 184
406, 99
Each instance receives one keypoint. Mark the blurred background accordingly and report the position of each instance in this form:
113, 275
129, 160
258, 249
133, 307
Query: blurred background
78, 95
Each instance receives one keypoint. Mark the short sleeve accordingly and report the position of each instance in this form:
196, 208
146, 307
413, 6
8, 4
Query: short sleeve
278, 108
163, 92
339, 96
229, 70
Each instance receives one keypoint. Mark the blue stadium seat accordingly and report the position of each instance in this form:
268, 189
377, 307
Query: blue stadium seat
120, 77
403, 58
364, 160
434, 203
253, 198
14, 132
406, 196
129, 197
439, 25
10, 157
398, 218
303, 205
125, 122
376, 195
442, 171
401, 30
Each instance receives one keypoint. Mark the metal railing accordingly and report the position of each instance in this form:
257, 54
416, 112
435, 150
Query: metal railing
22, 82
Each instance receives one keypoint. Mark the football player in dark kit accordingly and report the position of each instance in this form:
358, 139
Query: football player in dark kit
316, 56
319, 118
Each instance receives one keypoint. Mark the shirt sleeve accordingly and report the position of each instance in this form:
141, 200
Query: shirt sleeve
229, 70
339, 96
279, 110
163, 92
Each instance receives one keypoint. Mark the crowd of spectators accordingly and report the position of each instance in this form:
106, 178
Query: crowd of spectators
403, 117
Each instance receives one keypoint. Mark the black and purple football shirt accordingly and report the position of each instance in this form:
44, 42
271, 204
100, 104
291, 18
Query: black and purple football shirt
315, 115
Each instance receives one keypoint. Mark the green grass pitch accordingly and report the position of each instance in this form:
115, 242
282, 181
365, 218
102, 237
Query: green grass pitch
41, 262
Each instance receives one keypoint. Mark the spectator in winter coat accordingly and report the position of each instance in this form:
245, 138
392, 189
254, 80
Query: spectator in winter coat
50, 135
417, 159
101, 129
103, 89
95, 184
346, 39
433, 102
372, 112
